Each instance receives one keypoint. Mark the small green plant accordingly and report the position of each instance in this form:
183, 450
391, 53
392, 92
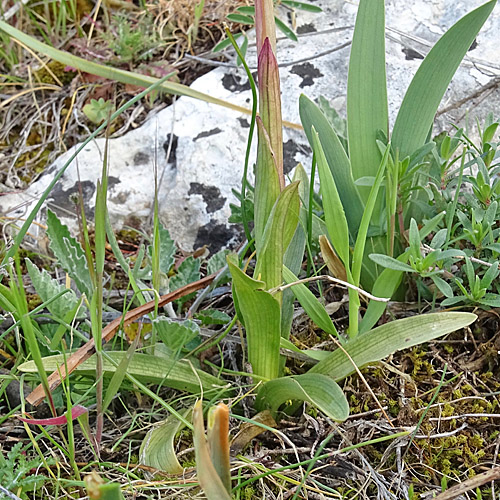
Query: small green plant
98, 110
132, 43
17, 473
368, 130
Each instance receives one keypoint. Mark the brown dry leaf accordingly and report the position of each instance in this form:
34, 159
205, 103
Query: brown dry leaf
331, 259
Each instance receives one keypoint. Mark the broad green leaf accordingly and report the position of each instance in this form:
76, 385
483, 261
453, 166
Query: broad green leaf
295, 252
180, 374
335, 216
337, 159
429, 84
167, 250
312, 306
260, 312
188, 272
318, 390
158, 450
69, 253
47, 287
384, 340
278, 233
111, 73
176, 334
367, 92
208, 478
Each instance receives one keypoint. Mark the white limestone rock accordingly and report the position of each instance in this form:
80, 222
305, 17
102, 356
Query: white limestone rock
208, 142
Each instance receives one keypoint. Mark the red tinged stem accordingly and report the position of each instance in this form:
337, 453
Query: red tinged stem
270, 103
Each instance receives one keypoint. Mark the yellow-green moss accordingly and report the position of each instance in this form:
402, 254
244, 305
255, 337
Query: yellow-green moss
58, 69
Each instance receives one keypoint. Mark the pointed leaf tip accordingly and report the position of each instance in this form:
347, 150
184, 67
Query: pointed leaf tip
76, 411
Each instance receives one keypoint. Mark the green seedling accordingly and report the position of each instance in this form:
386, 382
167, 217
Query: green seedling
98, 110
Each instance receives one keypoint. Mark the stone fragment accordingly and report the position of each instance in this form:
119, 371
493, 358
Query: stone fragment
200, 148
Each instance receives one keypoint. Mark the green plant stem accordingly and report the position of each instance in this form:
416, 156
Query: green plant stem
244, 180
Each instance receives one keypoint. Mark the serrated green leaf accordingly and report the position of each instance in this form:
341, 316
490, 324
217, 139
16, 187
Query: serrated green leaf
212, 317
176, 334
69, 254
46, 287
188, 271
217, 261
319, 390
384, 340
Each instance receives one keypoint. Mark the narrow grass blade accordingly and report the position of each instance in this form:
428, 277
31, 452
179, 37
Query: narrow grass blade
260, 313
429, 84
384, 340
367, 91
337, 160
359, 247
318, 390
110, 72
